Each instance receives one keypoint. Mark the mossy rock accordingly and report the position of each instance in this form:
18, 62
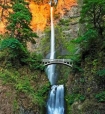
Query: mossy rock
92, 107
87, 107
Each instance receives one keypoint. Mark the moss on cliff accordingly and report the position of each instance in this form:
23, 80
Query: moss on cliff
28, 88
88, 74
23, 82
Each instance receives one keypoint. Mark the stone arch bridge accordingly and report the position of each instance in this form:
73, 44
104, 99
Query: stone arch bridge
67, 62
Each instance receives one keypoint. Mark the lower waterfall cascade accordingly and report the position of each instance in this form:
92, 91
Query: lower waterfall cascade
55, 103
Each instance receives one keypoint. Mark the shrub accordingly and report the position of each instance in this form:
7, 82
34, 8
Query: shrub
34, 61
100, 78
64, 22
74, 97
14, 50
100, 96
101, 73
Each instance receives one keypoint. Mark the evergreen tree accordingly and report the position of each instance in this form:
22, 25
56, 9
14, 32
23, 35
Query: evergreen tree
19, 22
93, 15
18, 32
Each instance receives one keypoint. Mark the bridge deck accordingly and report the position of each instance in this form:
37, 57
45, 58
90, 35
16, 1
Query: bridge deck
68, 62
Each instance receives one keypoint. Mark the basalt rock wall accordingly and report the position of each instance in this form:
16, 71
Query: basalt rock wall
40, 12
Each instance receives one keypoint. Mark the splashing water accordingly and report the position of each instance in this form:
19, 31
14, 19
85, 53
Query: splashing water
55, 104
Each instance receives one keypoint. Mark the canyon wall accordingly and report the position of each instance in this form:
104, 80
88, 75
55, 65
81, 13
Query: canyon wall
40, 13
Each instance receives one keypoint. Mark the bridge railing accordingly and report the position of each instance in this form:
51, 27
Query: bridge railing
56, 60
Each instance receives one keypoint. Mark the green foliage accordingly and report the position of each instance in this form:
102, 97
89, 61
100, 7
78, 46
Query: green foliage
15, 105
82, 80
34, 61
19, 23
92, 19
100, 78
11, 43
101, 73
100, 96
74, 54
8, 77
14, 49
23, 84
38, 96
93, 15
74, 97
43, 91
13, 53
22, 14
86, 37
73, 48
87, 41
91, 55
64, 22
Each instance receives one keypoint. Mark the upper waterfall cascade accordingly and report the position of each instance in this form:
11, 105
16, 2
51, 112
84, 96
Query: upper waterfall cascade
53, 2
51, 68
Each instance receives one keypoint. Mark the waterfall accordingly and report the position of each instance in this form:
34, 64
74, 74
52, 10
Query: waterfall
51, 68
55, 103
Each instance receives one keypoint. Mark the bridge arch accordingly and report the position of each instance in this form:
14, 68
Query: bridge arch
67, 62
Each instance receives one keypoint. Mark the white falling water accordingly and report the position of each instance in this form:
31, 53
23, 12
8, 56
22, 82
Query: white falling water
55, 104
51, 68
55, 1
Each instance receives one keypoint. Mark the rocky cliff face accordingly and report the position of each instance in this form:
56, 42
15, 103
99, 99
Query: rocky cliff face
40, 12
67, 12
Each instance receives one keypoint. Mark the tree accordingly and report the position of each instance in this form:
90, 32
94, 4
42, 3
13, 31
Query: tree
18, 31
93, 15
19, 22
